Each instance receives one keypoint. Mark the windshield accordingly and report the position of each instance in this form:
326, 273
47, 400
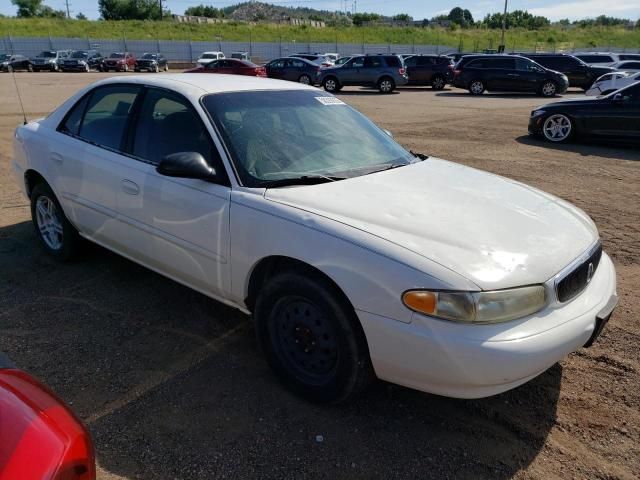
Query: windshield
149, 56
79, 54
209, 55
279, 135
47, 55
116, 55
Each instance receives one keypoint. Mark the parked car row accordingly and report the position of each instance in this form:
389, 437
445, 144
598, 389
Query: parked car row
83, 61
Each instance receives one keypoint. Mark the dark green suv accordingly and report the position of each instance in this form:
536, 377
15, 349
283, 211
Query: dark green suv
385, 72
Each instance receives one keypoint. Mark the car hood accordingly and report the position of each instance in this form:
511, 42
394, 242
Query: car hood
571, 102
494, 231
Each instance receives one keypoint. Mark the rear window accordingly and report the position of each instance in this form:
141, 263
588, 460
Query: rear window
596, 58
393, 61
630, 56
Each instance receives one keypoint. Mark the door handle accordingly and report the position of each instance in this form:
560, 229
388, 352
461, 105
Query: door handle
57, 158
130, 187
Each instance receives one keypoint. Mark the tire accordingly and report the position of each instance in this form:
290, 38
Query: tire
548, 89
304, 79
386, 85
29, 68
312, 338
438, 82
476, 87
9, 68
87, 68
58, 237
54, 67
331, 84
557, 128
166, 67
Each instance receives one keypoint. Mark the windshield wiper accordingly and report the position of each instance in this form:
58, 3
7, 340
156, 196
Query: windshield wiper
421, 156
302, 180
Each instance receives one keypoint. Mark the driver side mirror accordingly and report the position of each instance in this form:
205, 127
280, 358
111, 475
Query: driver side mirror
618, 98
186, 165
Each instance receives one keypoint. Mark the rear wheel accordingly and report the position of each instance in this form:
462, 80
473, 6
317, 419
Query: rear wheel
30, 68
312, 338
557, 128
156, 69
305, 79
476, 87
548, 89
386, 85
330, 84
438, 82
58, 237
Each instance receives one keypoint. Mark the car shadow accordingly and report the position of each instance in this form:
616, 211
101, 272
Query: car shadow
465, 93
365, 91
619, 150
421, 88
172, 385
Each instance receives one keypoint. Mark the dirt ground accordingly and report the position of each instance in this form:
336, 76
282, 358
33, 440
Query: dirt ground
171, 383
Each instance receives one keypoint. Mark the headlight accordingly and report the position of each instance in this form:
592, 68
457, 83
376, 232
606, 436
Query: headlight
537, 113
477, 307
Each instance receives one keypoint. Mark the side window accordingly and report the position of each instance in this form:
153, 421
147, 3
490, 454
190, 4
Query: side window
71, 124
298, 64
391, 62
503, 63
168, 124
277, 64
411, 61
478, 63
107, 113
357, 62
372, 62
526, 65
212, 65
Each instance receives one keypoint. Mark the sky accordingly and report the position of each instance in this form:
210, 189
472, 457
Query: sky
418, 9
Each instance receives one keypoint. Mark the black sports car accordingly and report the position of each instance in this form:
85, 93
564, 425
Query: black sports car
615, 116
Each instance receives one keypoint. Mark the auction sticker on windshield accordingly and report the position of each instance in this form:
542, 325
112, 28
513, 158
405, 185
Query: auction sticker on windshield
330, 101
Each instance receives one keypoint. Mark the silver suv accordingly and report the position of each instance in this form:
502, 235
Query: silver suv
385, 72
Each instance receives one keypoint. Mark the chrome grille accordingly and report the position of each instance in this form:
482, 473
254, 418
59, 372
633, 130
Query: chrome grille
576, 280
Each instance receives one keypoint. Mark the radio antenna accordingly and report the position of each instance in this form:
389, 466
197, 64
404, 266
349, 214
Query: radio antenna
24, 115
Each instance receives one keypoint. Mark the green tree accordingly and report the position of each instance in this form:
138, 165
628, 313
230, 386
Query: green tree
461, 17
204, 11
28, 8
403, 17
130, 9
361, 18
81, 16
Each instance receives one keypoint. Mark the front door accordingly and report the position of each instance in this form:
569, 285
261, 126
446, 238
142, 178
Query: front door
185, 221
618, 117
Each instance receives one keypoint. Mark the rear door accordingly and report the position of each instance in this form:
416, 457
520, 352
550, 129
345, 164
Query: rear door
89, 156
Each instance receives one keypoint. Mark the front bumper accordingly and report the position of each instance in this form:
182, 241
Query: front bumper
474, 361
73, 68
47, 66
535, 125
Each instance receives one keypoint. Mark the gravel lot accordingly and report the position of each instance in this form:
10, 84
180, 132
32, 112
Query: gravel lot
172, 386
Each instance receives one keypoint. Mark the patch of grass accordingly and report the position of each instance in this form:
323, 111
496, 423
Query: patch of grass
468, 40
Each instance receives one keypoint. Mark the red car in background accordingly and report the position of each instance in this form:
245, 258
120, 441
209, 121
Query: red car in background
119, 61
40, 437
231, 66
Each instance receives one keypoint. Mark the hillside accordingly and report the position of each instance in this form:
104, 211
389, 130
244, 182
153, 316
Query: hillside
468, 39
258, 11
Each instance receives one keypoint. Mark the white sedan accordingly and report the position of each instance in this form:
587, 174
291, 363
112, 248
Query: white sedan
610, 82
355, 257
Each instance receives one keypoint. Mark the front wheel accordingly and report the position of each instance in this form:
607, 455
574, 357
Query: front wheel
58, 237
166, 67
548, 89
9, 69
386, 85
476, 87
312, 338
29, 68
557, 128
438, 82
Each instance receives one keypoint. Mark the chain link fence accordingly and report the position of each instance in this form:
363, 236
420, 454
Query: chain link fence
188, 51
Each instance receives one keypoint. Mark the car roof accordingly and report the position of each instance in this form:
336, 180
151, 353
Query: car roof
194, 84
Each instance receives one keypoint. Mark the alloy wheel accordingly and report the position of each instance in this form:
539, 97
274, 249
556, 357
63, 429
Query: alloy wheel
549, 89
304, 79
477, 87
49, 222
386, 86
330, 85
557, 128
438, 83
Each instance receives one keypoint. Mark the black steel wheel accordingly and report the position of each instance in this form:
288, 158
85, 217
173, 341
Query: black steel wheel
312, 338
